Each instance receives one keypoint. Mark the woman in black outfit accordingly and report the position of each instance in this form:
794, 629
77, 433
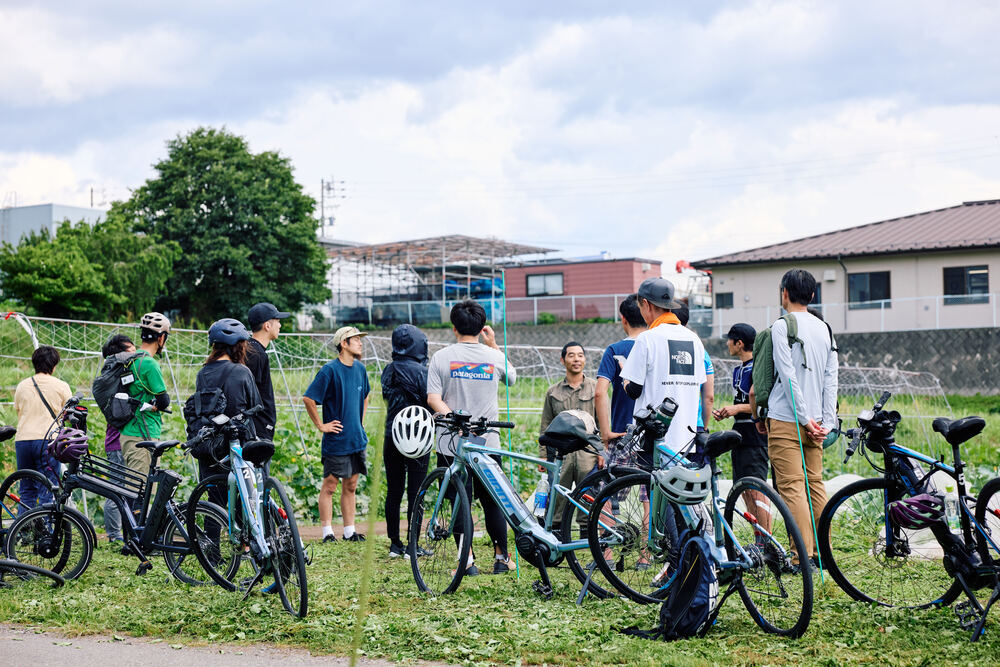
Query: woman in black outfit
404, 383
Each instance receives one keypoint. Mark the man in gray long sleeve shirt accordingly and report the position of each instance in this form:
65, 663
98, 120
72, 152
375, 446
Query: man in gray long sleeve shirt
802, 403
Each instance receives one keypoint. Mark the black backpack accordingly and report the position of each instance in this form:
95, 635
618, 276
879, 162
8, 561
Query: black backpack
691, 604
199, 409
114, 379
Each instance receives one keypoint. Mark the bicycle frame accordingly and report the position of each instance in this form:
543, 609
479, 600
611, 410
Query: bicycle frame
515, 511
245, 483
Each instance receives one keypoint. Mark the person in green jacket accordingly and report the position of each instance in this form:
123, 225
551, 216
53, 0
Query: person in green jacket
149, 390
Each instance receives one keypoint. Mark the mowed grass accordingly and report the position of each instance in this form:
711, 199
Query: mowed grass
490, 619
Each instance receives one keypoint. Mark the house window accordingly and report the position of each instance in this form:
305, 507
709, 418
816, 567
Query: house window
545, 284
966, 284
723, 300
817, 295
868, 290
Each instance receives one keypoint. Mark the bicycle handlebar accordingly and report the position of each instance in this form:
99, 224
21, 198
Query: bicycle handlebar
864, 425
462, 422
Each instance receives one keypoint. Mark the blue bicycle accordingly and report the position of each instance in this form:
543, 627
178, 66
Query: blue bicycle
879, 551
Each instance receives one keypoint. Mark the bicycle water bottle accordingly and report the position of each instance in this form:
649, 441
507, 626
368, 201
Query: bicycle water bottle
951, 510
541, 496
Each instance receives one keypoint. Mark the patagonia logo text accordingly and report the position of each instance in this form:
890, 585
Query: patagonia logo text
471, 371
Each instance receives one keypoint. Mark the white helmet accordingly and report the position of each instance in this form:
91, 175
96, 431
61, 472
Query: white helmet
413, 431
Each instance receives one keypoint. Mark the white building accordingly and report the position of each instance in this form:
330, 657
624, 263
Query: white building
925, 271
18, 221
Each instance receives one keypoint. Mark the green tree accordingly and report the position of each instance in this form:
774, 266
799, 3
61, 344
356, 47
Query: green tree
244, 226
104, 272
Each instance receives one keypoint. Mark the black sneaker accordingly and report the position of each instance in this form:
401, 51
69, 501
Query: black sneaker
356, 537
330, 538
500, 567
420, 553
397, 551
472, 571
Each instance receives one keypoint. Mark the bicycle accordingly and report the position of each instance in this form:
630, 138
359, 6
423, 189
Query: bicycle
441, 526
873, 557
260, 523
156, 526
764, 560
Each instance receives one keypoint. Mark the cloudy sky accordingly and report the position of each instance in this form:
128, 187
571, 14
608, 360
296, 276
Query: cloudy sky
665, 130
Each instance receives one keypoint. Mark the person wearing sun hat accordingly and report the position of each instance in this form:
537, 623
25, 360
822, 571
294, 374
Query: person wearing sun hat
341, 388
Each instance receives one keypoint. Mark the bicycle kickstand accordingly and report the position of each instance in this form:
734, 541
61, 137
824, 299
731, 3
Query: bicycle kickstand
586, 584
978, 631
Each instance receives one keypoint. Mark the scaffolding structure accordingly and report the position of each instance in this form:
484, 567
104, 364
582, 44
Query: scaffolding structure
384, 283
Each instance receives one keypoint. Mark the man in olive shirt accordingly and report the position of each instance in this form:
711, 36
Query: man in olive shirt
574, 392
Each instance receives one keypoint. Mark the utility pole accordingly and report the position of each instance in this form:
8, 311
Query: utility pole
331, 192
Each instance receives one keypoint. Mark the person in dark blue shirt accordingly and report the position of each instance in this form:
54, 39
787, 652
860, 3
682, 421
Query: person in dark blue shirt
750, 457
342, 388
614, 416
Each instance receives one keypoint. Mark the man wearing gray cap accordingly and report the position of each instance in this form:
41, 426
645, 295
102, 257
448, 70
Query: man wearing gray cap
666, 361
265, 323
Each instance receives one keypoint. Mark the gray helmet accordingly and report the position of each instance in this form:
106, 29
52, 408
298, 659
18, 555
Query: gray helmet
155, 322
228, 331
683, 485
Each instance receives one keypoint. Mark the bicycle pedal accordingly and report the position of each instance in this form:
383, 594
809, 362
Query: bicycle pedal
143, 568
968, 616
543, 590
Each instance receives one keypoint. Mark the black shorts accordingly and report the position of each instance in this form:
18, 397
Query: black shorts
750, 457
344, 467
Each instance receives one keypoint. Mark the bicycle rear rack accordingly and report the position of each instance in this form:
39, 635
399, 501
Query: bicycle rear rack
124, 479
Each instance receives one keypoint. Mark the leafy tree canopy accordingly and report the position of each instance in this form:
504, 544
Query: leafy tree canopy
244, 226
104, 272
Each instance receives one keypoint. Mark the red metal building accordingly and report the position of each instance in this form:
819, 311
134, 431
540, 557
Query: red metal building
575, 288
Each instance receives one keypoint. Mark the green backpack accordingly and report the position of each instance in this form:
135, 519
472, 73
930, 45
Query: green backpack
764, 375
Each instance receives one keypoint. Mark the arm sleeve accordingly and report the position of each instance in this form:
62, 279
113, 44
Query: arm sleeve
434, 384
607, 368
633, 390
367, 385
317, 388
784, 366
162, 401
508, 375
830, 382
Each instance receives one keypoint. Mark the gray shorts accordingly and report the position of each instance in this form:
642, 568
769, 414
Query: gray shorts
344, 467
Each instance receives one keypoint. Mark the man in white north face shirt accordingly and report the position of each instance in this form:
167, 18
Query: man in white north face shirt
667, 360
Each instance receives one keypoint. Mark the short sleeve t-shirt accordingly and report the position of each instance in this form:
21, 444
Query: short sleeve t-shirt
342, 391
468, 376
667, 361
147, 385
709, 371
34, 421
610, 369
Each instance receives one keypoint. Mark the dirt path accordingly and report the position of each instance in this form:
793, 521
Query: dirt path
27, 646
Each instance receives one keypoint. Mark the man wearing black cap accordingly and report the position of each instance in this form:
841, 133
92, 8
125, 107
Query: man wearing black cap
265, 323
750, 458
667, 360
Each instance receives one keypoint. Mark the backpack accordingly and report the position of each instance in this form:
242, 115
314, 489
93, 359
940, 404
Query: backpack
691, 604
110, 389
199, 409
764, 375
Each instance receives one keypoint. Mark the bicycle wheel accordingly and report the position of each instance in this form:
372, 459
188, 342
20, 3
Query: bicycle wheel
209, 520
574, 521
289, 559
988, 517
11, 493
440, 534
620, 544
12, 571
854, 549
43, 538
776, 590
219, 555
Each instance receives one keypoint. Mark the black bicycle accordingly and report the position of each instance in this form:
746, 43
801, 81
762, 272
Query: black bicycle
877, 556
59, 538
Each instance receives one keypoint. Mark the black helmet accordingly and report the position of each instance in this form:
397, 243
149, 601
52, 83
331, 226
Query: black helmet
228, 331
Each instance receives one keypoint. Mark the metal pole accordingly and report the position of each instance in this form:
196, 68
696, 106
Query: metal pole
291, 405
881, 309
572, 306
535, 304
937, 313
409, 311
614, 307
369, 313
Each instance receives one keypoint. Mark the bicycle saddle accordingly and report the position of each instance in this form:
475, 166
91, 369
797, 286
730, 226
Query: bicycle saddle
157, 448
7, 432
957, 431
721, 442
258, 452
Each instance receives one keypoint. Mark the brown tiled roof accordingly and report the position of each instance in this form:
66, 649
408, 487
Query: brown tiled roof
974, 224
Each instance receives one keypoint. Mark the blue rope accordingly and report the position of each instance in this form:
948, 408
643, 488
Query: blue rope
510, 445
805, 475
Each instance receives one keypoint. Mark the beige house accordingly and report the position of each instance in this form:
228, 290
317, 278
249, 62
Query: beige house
931, 270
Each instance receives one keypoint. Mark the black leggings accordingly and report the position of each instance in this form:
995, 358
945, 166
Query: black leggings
401, 473
496, 524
